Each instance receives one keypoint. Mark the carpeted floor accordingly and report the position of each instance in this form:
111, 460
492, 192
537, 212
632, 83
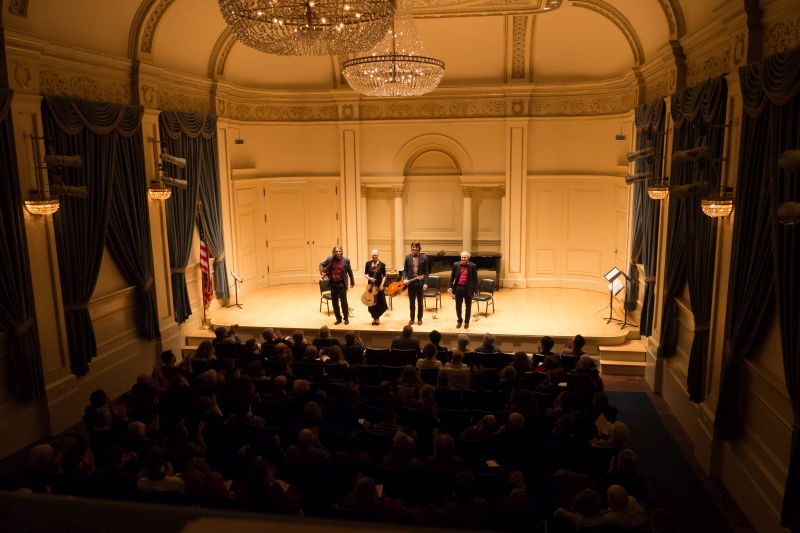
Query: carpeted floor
671, 483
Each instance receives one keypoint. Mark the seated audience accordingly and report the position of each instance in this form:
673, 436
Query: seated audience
353, 349
158, 475
405, 341
324, 339
521, 362
488, 345
428, 359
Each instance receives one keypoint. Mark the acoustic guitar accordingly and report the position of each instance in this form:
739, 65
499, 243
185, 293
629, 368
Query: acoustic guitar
368, 296
396, 287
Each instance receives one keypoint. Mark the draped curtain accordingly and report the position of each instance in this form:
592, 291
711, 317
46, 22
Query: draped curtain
649, 123
192, 137
699, 116
211, 214
17, 318
765, 260
129, 229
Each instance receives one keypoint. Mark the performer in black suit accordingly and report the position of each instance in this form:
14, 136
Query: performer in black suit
415, 273
463, 282
337, 268
375, 271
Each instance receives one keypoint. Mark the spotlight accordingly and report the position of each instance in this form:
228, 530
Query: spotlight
174, 182
620, 136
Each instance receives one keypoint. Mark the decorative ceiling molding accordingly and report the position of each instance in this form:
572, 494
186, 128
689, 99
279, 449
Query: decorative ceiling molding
472, 8
619, 20
710, 67
417, 146
675, 19
144, 25
219, 54
85, 86
519, 36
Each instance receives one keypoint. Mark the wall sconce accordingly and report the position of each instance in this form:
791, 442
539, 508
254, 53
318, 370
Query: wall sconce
621, 136
161, 188
659, 190
720, 204
40, 201
238, 139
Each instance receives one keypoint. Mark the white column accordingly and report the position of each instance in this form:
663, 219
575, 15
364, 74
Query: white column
363, 227
467, 231
399, 248
514, 217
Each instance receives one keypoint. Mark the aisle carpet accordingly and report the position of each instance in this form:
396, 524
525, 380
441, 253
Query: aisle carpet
671, 483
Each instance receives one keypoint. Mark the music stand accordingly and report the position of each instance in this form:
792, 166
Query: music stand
236, 281
615, 286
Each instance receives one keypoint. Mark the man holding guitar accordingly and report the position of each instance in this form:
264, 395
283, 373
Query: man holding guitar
415, 272
463, 282
337, 268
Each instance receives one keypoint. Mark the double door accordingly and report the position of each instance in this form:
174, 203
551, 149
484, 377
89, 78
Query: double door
284, 228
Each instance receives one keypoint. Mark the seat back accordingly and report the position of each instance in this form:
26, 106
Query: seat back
486, 286
377, 356
324, 286
434, 282
399, 357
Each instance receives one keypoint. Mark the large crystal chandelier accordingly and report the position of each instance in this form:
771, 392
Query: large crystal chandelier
308, 27
397, 66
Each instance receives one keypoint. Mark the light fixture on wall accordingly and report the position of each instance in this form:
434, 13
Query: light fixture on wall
621, 136
161, 188
647, 151
658, 190
238, 139
789, 212
397, 65
40, 201
308, 27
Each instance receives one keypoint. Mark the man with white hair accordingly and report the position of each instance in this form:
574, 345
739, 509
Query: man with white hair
463, 282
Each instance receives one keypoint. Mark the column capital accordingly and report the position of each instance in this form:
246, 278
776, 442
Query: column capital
467, 191
397, 191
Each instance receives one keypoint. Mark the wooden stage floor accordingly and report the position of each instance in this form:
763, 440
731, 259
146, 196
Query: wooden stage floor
521, 316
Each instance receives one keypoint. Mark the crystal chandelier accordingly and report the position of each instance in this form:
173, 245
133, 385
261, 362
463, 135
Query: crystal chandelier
397, 66
658, 191
42, 205
156, 191
308, 27
717, 205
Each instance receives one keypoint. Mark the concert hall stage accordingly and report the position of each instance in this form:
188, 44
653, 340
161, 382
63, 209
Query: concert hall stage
521, 317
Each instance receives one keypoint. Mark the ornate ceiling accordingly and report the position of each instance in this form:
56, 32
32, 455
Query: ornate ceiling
484, 43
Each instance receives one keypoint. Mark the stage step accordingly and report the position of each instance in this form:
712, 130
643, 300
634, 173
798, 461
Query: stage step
623, 360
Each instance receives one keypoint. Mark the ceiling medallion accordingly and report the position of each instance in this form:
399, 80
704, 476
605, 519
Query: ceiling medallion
308, 27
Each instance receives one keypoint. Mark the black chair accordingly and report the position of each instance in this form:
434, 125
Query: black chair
398, 357
454, 421
325, 294
368, 374
370, 413
378, 356
429, 375
529, 380
485, 295
568, 362
433, 291
312, 371
544, 400
391, 372
335, 372
448, 399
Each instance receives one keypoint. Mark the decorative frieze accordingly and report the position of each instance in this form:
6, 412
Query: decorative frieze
582, 105
782, 35
711, 67
181, 101
152, 23
281, 112
518, 53
83, 86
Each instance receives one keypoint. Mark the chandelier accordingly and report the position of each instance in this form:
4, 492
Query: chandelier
42, 205
308, 27
156, 191
397, 66
659, 190
718, 205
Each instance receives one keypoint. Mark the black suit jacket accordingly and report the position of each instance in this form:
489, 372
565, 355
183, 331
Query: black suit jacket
347, 271
423, 267
472, 277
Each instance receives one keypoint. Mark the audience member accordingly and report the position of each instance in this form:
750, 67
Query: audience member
405, 341
428, 359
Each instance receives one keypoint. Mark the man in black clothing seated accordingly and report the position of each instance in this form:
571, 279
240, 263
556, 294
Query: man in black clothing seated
406, 341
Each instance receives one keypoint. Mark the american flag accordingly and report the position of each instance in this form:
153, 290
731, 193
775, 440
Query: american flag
208, 284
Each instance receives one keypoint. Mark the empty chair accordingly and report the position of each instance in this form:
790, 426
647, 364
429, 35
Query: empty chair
485, 295
433, 291
325, 294
399, 357
391, 372
378, 356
